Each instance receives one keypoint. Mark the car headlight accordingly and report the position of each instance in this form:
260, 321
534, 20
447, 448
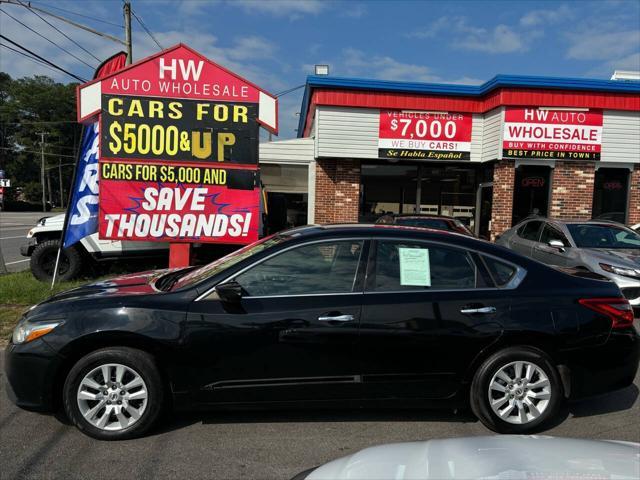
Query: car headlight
624, 271
26, 331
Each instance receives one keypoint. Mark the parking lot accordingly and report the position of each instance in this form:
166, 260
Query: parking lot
13, 231
261, 445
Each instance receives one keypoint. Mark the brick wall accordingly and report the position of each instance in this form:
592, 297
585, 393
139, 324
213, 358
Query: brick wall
502, 206
634, 197
572, 190
337, 190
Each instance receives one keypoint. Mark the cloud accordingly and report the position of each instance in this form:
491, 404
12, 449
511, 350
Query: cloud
353, 62
499, 39
293, 9
602, 45
536, 18
354, 10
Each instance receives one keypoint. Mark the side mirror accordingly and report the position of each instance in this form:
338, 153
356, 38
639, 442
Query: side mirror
230, 292
557, 244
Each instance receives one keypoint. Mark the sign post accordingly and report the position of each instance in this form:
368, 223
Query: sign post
178, 151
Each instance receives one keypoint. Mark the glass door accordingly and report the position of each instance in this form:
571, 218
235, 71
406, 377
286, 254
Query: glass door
531, 192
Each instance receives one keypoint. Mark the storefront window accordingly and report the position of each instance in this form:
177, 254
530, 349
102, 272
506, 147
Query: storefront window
400, 188
287, 194
610, 194
531, 192
387, 188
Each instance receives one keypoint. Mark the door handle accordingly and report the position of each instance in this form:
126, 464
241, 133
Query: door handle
483, 310
336, 318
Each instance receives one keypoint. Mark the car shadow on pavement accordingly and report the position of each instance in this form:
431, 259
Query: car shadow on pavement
177, 420
612, 402
617, 401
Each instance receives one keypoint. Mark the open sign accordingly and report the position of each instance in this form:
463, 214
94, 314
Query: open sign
613, 185
534, 182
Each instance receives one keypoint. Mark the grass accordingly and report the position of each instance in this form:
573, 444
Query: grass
18, 291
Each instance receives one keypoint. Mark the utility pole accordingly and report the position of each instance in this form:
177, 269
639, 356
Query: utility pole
44, 200
127, 31
49, 187
60, 179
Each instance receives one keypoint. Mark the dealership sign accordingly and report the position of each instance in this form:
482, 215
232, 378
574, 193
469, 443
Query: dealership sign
178, 149
424, 135
552, 133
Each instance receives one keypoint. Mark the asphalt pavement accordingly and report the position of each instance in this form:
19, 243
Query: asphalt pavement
13, 233
261, 445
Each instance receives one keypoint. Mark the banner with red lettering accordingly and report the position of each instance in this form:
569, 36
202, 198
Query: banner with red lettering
424, 135
142, 201
563, 134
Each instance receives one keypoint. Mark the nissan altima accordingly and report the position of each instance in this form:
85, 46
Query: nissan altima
349, 315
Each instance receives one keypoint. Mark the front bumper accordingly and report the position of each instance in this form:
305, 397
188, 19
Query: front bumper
26, 249
607, 367
30, 371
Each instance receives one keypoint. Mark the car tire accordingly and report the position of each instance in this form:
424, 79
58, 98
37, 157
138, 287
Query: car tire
126, 411
506, 401
43, 260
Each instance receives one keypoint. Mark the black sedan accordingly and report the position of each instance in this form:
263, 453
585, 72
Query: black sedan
347, 315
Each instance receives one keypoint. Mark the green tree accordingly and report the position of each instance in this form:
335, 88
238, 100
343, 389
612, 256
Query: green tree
28, 106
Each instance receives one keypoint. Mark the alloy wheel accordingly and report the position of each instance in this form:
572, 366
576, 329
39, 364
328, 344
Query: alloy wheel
112, 397
519, 392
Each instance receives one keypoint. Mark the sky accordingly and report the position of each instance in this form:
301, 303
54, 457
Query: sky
276, 43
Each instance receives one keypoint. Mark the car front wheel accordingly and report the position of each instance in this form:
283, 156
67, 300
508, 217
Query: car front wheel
114, 393
517, 390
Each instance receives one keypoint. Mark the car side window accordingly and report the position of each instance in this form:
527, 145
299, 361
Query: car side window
324, 267
550, 232
530, 230
401, 265
501, 272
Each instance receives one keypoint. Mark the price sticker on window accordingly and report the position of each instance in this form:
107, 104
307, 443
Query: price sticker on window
415, 269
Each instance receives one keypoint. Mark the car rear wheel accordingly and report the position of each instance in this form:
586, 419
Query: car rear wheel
516, 390
114, 393
43, 261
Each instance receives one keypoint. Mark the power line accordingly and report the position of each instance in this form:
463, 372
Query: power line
146, 29
38, 153
58, 30
81, 15
30, 122
35, 60
47, 39
43, 59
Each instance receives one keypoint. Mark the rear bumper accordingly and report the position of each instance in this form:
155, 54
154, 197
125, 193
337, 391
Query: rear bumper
30, 372
605, 368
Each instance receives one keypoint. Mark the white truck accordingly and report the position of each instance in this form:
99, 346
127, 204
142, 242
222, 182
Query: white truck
42, 246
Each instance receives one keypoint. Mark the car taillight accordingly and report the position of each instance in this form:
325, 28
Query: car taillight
619, 310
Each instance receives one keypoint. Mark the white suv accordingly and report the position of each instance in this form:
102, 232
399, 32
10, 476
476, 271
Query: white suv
42, 247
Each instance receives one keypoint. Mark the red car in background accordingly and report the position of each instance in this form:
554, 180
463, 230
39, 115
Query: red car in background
437, 222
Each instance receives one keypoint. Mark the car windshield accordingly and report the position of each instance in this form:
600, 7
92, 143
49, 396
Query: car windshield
603, 236
227, 261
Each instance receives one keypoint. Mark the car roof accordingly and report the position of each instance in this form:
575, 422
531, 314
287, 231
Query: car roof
377, 230
561, 221
418, 215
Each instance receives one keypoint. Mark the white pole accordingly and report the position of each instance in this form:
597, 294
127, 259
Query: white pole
55, 269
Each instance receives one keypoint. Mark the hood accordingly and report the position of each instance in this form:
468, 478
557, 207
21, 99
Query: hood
504, 456
619, 256
141, 283
55, 220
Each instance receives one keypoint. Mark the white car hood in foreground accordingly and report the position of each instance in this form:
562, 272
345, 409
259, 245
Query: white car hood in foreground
497, 457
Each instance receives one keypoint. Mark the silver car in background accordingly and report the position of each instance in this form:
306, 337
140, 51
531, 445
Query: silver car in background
499, 457
606, 248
